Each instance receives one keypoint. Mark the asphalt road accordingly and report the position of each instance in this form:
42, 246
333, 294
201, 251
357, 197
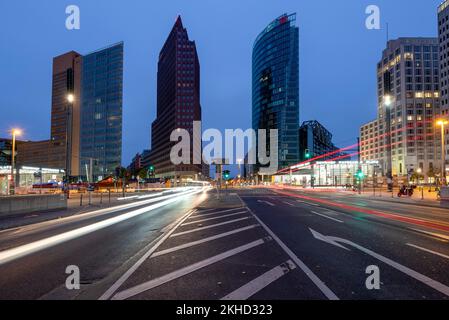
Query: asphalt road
273, 244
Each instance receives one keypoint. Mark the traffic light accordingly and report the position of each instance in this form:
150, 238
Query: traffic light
360, 175
307, 154
151, 168
226, 174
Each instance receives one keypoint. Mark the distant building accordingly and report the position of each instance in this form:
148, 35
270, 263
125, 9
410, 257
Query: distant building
136, 163
370, 141
275, 86
178, 102
315, 140
101, 111
145, 160
36, 154
5, 151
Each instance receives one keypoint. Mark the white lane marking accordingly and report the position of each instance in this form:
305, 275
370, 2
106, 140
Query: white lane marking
288, 203
200, 215
194, 243
266, 202
317, 281
428, 250
251, 288
331, 212
410, 272
128, 293
142, 259
15, 253
309, 203
208, 227
433, 234
214, 218
324, 216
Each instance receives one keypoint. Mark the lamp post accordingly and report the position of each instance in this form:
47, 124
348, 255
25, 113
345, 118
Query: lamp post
12, 183
419, 171
68, 137
442, 123
387, 103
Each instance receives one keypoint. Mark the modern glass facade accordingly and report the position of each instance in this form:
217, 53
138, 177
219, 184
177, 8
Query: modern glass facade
276, 85
101, 112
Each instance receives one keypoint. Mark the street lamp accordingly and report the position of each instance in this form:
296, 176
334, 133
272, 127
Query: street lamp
419, 171
14, 132
70, 98
442, 123
388, 101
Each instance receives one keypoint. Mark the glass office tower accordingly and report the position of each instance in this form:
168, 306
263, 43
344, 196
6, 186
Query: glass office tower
101, 113
276, 85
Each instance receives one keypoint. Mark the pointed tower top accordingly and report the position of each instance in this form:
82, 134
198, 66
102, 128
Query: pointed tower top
178, 22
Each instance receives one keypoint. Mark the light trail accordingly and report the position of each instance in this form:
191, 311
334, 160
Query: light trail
24, 250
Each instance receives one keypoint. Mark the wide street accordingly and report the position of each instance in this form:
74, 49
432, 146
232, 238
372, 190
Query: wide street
252, 243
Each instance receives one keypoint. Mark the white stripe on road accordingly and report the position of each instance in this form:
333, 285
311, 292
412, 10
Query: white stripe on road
131, 270
208, 227
263, 201
320, 284
194, 243
309, 203
288, 203
428, 250
215, 218
251, 288
131, 292
324, 216
200, 215
18, 252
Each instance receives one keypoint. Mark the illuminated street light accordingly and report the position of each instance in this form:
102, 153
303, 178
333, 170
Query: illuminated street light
388, 101
70, 98
14, 132
442, 123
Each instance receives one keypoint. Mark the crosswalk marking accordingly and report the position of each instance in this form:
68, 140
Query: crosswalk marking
214, 218
194, 243
208, 227
251, 288
131, 292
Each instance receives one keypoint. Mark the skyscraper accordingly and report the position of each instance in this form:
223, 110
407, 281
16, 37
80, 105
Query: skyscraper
101, 112
178, 102
275, 86
64, 143
443, 37
404, 137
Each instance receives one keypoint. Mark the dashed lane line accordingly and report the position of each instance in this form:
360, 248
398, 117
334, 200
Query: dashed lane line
251, 288
428, 250
324, 216
194, 243
208, 227
131, 292
215, 218
200, 215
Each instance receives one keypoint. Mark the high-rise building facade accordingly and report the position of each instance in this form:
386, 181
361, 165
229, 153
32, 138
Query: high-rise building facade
178, 102
101, 112
275, 86
63, 152
315, 140
443, 37
404, 138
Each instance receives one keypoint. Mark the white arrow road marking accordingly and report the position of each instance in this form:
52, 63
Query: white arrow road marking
324, 216
251, 288
266, 202
131, 292
411, 273
312, 276
329, 240
428, 250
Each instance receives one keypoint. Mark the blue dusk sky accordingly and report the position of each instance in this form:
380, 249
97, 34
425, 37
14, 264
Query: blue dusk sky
338, 57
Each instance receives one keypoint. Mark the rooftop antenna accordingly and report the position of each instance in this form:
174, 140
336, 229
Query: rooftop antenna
388, 35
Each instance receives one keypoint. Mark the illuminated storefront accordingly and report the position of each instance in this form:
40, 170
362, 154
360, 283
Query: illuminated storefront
26, 177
